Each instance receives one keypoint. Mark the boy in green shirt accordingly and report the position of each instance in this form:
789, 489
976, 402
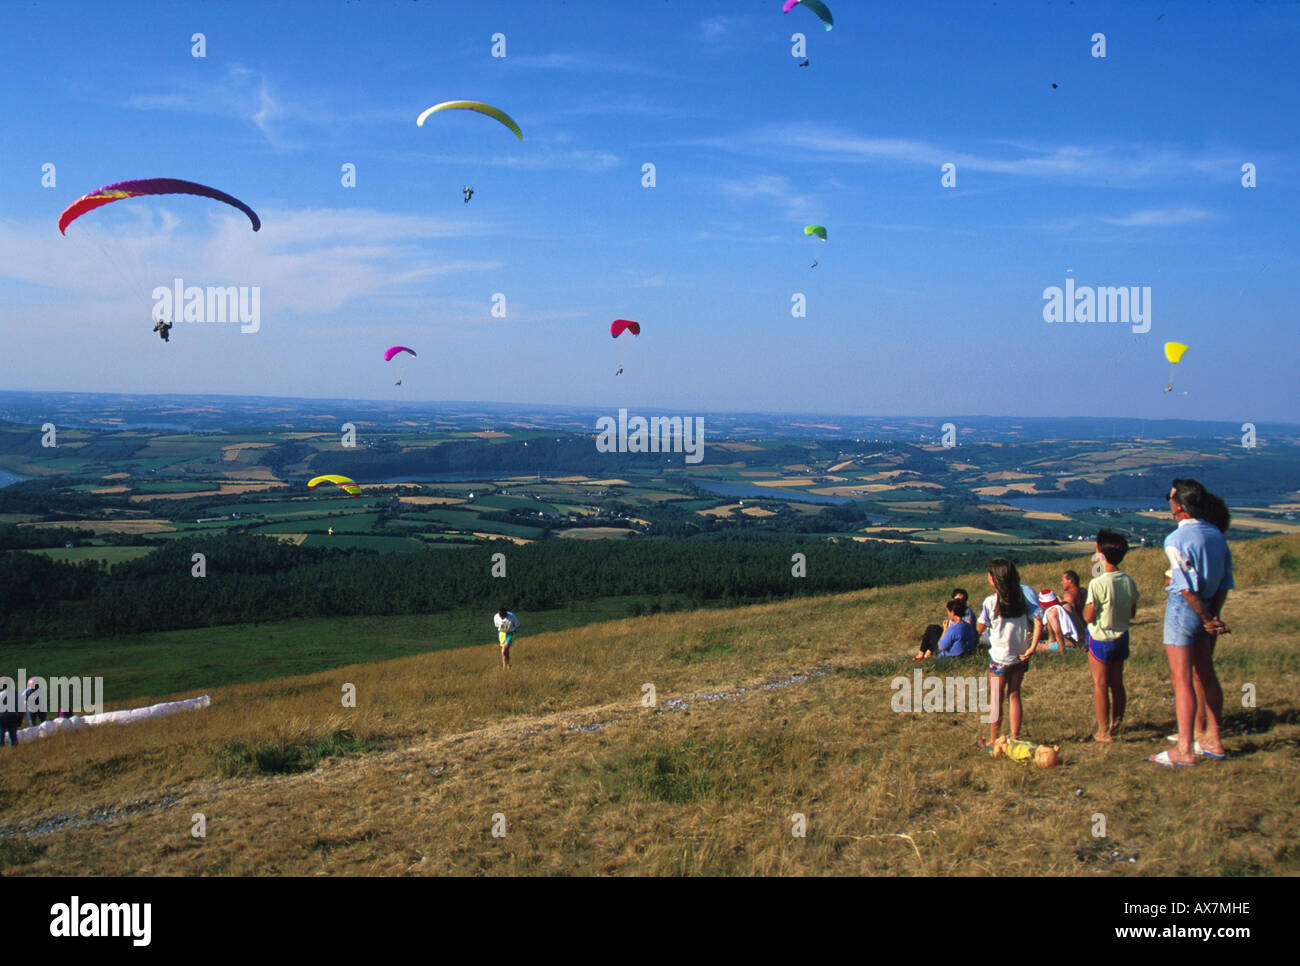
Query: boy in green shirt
1112, 603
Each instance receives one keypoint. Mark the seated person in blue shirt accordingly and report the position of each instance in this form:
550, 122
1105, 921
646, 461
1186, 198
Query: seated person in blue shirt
968, 615
960, 638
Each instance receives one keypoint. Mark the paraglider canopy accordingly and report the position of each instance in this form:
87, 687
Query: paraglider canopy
148, 186
488, 109
817, 230
388, 355
816, 6
341, 481
619, 326
1174, 351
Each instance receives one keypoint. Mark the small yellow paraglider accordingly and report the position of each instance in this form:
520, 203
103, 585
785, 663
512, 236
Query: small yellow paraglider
341, 481
1174, 353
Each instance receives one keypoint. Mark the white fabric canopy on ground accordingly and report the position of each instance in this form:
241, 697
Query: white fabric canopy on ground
112, 717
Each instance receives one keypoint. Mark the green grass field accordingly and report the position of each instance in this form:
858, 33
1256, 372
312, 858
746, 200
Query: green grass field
153, 665
110, 555
382, 544
346, 523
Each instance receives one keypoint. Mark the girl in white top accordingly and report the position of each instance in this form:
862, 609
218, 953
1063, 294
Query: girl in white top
1007, 615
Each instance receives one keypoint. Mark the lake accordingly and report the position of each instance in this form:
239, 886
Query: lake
1066, 504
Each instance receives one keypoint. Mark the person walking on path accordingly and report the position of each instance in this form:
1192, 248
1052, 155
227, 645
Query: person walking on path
506, 624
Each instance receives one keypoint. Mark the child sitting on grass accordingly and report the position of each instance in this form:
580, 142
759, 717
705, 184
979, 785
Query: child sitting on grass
1057, 622
1007, 615
1112, 603
929, 641
960, 638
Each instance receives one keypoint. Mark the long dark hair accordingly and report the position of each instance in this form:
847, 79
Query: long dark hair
1006, 584
1201, 504
1216, 512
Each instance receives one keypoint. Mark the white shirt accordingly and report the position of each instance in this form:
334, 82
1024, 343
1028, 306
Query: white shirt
1008, 636
509, 623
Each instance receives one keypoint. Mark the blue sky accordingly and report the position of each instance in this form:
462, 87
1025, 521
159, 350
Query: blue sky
926, 300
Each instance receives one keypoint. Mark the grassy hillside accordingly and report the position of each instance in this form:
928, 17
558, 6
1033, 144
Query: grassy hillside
762, 712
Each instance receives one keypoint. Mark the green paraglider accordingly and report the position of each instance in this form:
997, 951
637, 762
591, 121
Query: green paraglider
817, 230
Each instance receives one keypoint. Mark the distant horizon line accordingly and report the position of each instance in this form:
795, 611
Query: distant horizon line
592, 407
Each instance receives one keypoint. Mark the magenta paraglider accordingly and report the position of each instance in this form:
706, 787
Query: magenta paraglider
818, 9
388, 356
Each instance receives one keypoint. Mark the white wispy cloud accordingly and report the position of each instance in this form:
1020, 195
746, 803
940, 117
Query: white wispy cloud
1123, 163
310, 261
714, 27
285, 120
771, 188
1159, 217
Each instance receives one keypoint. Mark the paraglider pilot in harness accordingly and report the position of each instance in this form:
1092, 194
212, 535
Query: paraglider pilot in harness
164, 329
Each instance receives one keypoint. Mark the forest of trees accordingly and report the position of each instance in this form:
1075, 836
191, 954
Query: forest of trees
251, 578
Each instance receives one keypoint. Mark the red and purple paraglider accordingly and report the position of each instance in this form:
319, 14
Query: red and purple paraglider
149, 186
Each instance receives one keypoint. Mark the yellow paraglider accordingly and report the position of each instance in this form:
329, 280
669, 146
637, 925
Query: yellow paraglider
342, 481
1174, 353
479, 106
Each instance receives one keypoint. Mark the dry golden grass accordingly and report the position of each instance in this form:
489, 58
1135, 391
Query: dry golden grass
245, 471
231, 453
707, 786
518, 541
1278, 526
1009, 475
1004, 490
108, 526
223, 489
719, 511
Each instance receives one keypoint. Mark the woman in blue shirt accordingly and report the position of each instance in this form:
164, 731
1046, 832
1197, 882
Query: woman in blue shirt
1200, 578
